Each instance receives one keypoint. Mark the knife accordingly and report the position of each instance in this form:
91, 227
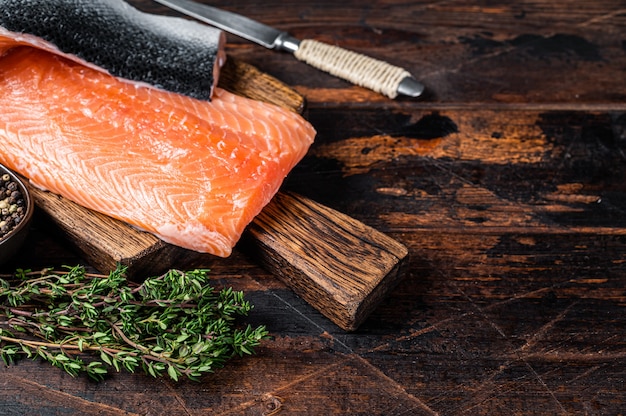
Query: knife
359, 69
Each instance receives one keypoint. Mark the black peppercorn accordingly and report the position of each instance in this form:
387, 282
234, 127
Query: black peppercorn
11, 206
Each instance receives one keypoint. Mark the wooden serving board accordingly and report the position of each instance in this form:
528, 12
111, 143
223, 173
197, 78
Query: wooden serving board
342, 267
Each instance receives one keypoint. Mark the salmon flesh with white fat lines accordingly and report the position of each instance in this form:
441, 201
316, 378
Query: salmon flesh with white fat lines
191, 171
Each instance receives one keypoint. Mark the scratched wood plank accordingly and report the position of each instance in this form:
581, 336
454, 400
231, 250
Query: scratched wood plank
487, 171
539, 333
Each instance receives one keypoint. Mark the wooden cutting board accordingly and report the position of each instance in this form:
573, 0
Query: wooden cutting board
340, 266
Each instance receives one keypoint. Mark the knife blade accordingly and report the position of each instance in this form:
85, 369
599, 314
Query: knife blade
362, 70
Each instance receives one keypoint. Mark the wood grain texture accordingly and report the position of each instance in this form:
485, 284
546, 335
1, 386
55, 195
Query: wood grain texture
507, 184
248, 81
344, 274
104, 242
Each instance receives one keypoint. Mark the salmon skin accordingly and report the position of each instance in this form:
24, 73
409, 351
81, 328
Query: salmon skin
193, 172
171, 53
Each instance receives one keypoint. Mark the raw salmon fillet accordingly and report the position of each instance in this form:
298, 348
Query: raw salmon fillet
190, 171
170, 53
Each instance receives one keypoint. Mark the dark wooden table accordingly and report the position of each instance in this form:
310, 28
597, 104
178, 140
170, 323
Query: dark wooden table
506, 181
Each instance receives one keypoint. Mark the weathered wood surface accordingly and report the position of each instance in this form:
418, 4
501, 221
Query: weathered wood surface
506, 181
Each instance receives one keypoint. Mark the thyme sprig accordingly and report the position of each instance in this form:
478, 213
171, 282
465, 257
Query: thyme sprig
175, 324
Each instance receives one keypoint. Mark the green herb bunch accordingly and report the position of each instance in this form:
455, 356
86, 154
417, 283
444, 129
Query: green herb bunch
174, 324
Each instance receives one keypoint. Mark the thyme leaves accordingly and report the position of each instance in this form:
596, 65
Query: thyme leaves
175, 324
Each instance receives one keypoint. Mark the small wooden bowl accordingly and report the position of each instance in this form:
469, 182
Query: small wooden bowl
14, 239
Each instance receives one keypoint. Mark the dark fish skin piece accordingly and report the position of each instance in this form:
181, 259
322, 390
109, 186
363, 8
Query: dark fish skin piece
169, 53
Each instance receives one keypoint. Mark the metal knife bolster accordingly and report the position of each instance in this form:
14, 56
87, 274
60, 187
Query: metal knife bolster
286, 42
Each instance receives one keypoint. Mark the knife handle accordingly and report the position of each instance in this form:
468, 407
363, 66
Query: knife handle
359, 69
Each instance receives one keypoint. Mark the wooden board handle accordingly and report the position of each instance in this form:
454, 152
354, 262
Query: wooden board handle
337, 264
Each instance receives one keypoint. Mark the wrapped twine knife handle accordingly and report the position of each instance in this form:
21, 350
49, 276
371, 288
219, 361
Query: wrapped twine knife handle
359, 69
